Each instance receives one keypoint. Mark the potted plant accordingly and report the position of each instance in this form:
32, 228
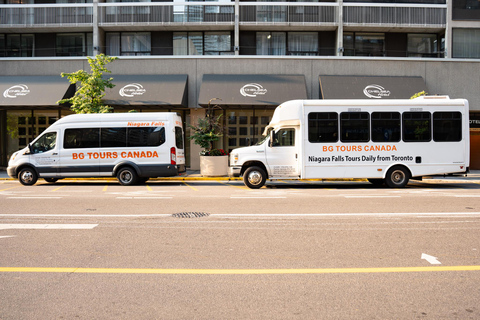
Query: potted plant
213, 161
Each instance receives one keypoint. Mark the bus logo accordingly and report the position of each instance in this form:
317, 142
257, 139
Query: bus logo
16, 91
252, 90
376, 92
132, 89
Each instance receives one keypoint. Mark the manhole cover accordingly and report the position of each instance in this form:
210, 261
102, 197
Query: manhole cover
190, 215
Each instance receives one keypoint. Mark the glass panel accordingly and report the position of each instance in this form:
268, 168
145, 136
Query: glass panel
369, 44
422, 45
447, 126
417, 127
146, 137
271, 43
354, 127
45, 143
113, 44
113, 137
179, 137
81, 138
71, 44
385, 126
216, 42
135, 43
466, 43
303, 43
322, 127
284, 138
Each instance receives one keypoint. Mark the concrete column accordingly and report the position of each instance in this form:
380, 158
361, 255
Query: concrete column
96, 31
237, 28
448, 31
339, 48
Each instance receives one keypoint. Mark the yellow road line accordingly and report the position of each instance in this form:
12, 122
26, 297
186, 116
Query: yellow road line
105, 188
58, 188
241, 271
148, 187
195, 189
231, 185
10, 188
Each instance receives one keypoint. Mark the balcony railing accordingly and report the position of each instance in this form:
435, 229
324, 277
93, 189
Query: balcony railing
223, 13
271, 13
165, 13
395, 15
35, 15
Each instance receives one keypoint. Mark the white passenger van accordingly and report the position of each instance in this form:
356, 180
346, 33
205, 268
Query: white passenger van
384, 141
131, 146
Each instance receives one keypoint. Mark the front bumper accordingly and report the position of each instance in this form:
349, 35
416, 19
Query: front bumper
11, 172
234, 171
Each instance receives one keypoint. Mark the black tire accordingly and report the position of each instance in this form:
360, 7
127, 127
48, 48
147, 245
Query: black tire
397, 177
50, 180
254, 177
28, 176
127, 176
376, 182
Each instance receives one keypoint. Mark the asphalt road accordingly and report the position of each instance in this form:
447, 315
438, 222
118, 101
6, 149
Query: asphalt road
217, 250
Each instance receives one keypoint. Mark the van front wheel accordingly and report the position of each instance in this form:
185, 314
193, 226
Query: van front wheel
254, 177
27, 177
127, 176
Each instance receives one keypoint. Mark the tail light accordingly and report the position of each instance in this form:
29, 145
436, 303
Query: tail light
173, 155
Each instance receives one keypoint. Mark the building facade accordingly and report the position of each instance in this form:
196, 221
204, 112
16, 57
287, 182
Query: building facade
243, 57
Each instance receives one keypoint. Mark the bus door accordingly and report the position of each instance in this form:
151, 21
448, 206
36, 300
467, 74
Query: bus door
44, 154
282, 154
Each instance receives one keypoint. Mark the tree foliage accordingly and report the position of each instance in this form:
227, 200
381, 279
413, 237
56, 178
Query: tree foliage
418, 94
90, 86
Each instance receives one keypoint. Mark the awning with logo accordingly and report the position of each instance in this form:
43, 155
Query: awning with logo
148, 90
34, 91
251, 89
370, 87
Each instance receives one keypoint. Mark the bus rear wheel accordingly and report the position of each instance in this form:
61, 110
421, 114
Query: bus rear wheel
254, 177
397, 177
127, 176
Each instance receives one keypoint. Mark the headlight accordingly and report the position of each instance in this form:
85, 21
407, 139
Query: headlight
235, 157
13, 156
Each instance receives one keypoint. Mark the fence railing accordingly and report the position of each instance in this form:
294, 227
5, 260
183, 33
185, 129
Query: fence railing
405, 15
34, 15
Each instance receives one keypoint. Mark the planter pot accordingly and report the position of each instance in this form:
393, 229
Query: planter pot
213, 166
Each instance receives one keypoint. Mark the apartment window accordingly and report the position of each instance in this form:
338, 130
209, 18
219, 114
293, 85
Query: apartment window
271, 43
422, 45
16, 45
217, 43
187, 43
74, 44
128, 43
466, 10
466, 43
364, 44
303, 43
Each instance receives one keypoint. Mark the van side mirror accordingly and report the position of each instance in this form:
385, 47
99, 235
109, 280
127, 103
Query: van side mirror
30, 150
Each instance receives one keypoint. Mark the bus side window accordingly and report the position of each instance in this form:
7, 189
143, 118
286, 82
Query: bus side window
417, 127
447, 126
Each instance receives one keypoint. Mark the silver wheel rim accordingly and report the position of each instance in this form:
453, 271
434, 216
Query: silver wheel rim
398, 177
126, 176
254, 178
27, 177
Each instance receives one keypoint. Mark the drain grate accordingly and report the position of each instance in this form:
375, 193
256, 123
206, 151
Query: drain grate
190, 215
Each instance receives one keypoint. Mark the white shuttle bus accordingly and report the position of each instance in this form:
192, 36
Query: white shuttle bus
130, 146
384, 141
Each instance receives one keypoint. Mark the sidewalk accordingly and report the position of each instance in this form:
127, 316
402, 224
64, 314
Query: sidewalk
472, 177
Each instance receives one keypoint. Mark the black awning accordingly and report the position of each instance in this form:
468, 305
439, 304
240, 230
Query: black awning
251, 89
34, 91
148, 90
370, 87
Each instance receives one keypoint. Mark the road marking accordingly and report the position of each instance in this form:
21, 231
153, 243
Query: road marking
467, 196
430, 259
5, 226
148, 188
105, 188
351, 197
10, 188
242, 271
256, 197
58, 188
6, 237
143, 198
194, 189
231, 185
31, 197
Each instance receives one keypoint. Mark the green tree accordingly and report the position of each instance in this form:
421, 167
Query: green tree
90, 86
418, 94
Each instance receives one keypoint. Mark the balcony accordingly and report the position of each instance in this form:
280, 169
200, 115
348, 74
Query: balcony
165, 14
394, 15
46, 15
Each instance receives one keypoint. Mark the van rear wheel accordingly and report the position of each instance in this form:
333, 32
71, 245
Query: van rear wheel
254, 177
127, 176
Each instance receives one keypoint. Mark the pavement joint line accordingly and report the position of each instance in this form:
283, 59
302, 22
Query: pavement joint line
240, 271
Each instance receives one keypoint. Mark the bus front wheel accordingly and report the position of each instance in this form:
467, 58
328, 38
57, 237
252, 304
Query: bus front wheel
254, 177
397, 177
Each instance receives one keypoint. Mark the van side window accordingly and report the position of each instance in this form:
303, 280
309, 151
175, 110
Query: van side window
322, 127
447, 126
113, 137
284, 138
355, 127
385, 126
417, 127
146, 137
81, 138
178, 137
45, 143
